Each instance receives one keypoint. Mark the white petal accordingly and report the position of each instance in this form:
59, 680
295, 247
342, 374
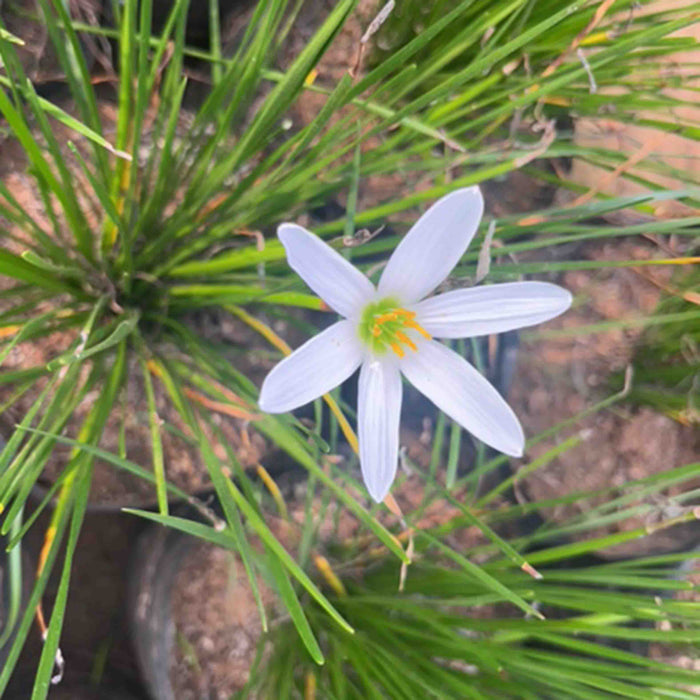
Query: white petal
343, 287
458, 390
378, 413
497, 308
315, 368
433, 246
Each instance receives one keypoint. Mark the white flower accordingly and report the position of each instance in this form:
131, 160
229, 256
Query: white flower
388, 331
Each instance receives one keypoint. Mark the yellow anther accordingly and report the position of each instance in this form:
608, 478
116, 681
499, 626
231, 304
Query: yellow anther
397, 349
406, 340
416, 327
376, 330
383, 318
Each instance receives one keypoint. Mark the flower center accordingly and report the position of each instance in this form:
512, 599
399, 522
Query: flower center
384, 324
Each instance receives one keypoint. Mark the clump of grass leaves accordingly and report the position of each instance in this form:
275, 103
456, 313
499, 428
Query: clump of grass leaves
439, 106
454, 632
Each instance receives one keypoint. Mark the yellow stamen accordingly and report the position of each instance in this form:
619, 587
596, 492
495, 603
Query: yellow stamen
405, 313
416, 327
397, 349
406, 340
387, 326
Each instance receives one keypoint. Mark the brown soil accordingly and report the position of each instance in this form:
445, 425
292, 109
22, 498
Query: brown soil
217, 624
561, 375
341, 58
20, 18
630, 139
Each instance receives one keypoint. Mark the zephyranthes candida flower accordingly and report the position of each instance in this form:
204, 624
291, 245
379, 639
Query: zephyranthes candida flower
389, 330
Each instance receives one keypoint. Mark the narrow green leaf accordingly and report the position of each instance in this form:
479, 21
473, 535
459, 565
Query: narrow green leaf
481, 575
273, 544
17, 268
156, 442
14, 573
79, 493
291, 602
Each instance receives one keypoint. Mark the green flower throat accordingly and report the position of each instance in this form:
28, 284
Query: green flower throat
384, 325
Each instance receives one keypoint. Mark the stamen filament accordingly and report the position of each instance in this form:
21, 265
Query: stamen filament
418, 328
406, 340
397, 349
